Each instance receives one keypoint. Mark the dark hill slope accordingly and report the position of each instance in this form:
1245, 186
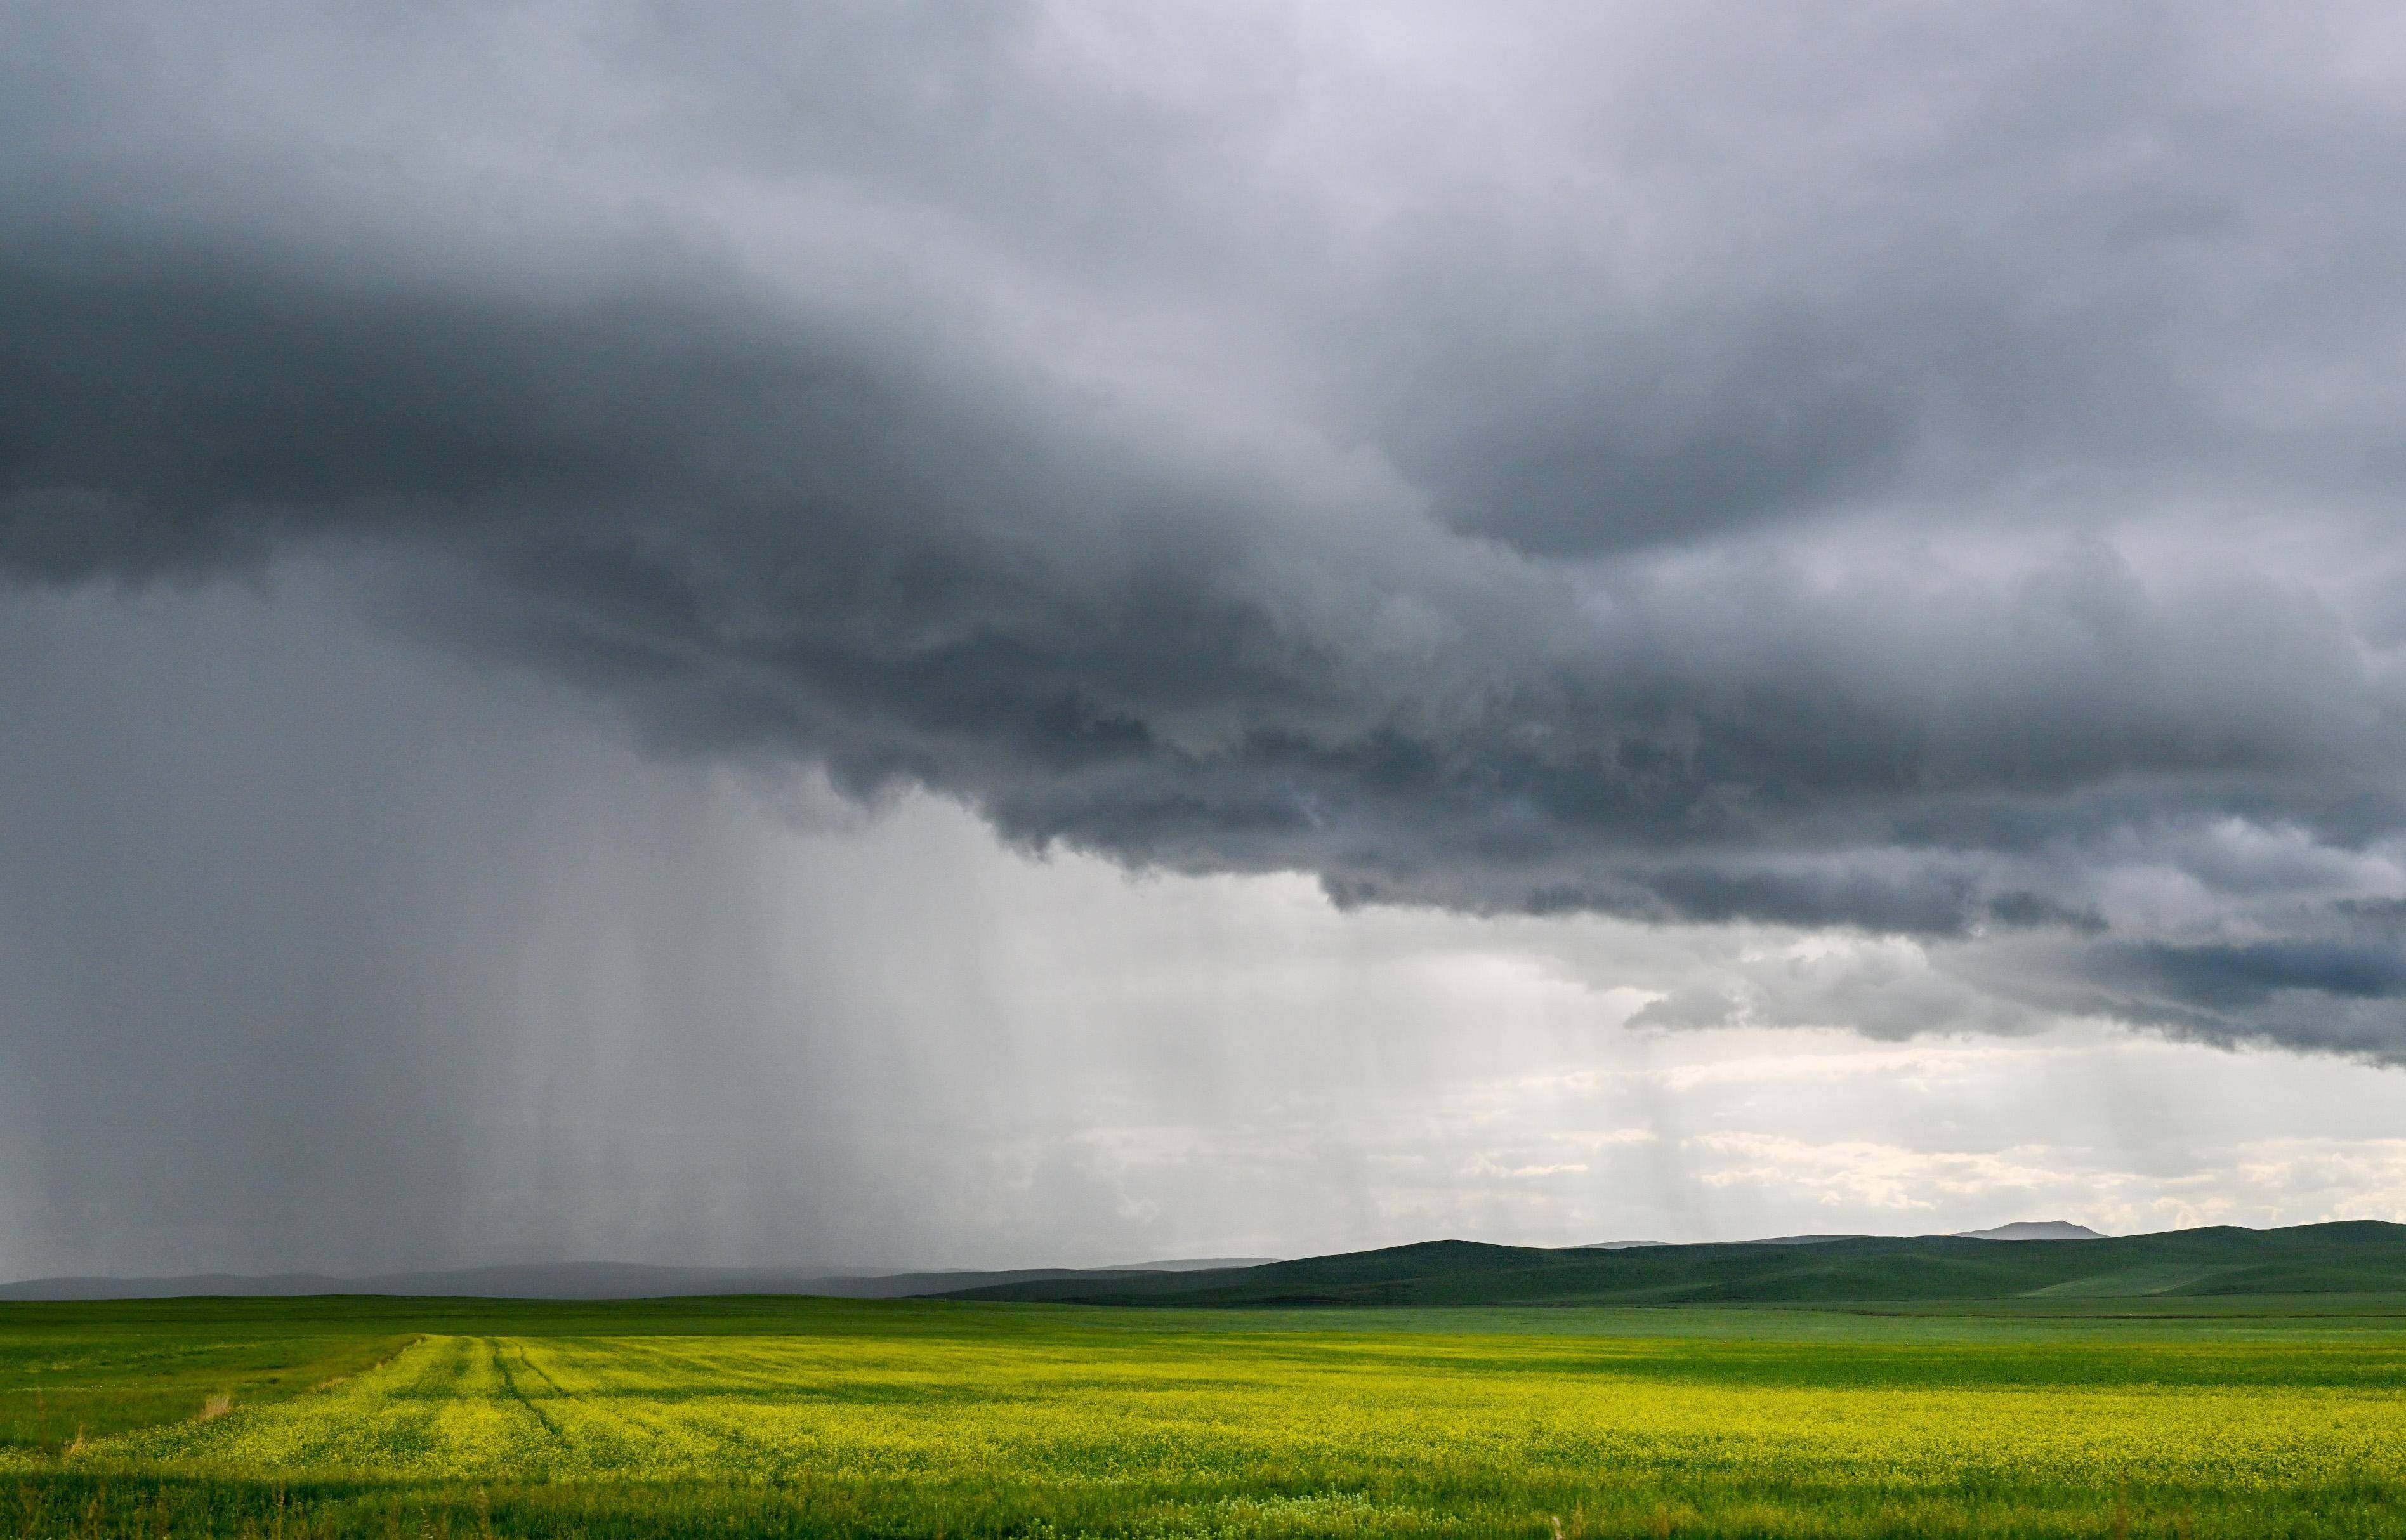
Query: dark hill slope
2348, 1258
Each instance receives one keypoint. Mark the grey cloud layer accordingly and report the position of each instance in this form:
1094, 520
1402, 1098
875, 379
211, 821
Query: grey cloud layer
1928, 472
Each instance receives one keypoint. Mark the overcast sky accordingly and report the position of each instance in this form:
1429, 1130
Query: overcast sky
890, 634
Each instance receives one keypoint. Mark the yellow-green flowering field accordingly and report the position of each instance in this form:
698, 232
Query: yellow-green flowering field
928, 1420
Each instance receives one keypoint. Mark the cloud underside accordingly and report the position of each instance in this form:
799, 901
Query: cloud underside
1722, 493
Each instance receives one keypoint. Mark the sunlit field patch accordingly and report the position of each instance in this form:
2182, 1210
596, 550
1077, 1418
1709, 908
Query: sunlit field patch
1027, 1423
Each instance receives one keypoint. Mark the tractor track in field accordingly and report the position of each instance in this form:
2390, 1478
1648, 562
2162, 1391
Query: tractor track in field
531, 1366
510, 1383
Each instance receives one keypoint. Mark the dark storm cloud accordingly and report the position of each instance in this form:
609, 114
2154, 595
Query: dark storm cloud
2247, 975
1709, 463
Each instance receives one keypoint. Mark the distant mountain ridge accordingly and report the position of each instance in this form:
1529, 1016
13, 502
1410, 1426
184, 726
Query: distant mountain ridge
2043, 1229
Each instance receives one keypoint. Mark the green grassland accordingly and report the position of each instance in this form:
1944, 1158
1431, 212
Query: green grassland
2063, 1416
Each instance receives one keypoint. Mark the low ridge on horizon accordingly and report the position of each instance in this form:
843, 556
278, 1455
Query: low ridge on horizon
2340, 1256
583, 1280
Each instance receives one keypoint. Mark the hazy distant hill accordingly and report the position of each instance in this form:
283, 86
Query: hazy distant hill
2359, 1257
589, 1281
2045, 1229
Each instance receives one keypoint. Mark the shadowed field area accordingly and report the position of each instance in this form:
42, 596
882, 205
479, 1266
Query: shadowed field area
799, 1417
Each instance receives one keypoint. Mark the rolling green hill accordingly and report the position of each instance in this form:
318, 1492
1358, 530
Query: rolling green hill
2355, 1257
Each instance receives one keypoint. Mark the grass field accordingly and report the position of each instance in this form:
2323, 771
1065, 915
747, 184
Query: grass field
792, 1417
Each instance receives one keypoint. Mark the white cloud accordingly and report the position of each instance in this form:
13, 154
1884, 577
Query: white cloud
1862, 1173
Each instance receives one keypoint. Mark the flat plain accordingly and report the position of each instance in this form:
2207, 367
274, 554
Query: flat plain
797, 1417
